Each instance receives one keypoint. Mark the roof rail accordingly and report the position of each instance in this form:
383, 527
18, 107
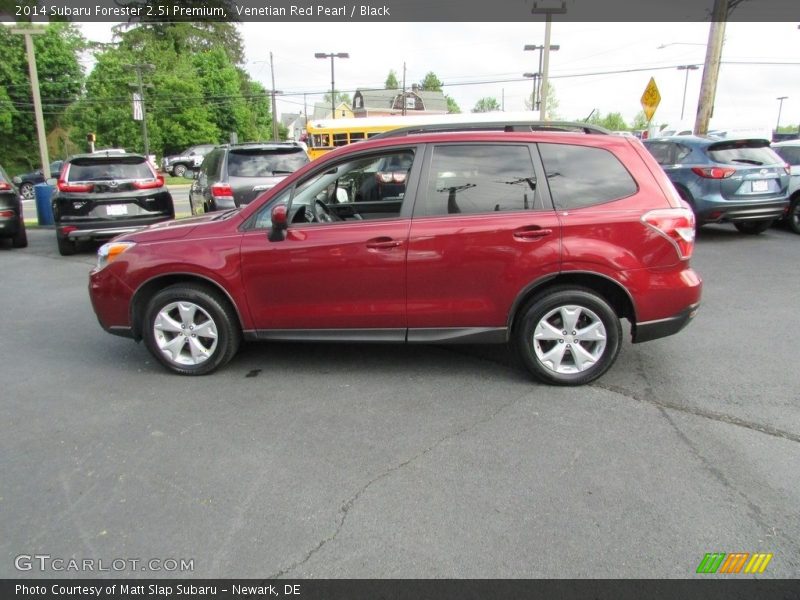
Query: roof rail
527, 126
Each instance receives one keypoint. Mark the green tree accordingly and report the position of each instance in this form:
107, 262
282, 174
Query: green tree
487, 104
340, 97
452, 106
60, 81
639, 121
391, 81
431, 83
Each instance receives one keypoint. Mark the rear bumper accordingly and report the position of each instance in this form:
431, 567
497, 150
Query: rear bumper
715, 212
652, 330
94, 230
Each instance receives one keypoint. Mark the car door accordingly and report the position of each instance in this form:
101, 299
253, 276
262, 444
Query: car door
482, 231
341, 276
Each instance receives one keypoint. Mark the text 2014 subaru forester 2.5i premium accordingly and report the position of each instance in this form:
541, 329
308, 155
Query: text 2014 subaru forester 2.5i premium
541, 239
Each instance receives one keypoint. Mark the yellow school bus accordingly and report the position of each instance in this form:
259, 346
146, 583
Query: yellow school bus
326, 134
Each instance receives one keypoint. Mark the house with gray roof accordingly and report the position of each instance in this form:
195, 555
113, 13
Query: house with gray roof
381, 103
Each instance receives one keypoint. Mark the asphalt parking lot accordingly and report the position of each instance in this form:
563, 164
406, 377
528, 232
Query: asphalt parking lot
389, 461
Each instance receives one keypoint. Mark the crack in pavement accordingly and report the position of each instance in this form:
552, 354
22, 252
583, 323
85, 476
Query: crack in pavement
347, 506
755, 511
699, 412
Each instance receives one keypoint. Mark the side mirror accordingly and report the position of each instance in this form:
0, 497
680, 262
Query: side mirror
280, 222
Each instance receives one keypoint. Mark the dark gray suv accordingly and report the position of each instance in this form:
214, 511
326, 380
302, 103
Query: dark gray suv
234, 174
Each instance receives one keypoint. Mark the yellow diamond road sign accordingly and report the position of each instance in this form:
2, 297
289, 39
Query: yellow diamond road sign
650, 99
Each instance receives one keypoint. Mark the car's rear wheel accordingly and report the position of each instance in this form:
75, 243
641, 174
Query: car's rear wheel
20, 239
191, 329
66, 247
752, 227
179, 170
794, 215
26, 189
568, 336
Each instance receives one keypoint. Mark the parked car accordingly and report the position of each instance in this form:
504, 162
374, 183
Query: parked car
739, 181
12, 226
789, 151
26, 181
100, 196
545, 240
189, 159
234, 174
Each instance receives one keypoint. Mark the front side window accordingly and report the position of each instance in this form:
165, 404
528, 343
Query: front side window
360, 189
480, 178
581, 176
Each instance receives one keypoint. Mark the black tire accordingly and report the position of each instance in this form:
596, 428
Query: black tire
27, 191
210, 312
65, 246
793, 218
589, 310
752, 227
20, 239
178, 170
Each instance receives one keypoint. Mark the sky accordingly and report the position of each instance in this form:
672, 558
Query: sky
471, 54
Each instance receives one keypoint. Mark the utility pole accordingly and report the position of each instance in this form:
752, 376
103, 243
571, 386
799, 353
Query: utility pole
37, 99
545, 71
139, 86
404, 88
780, 100
708, 87
332, 55
275, 135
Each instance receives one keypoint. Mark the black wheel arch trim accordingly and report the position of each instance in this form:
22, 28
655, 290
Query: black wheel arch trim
529, 291
136, 310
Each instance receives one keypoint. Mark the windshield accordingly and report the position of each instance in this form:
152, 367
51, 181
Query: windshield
744, 152
109, 169
265, 163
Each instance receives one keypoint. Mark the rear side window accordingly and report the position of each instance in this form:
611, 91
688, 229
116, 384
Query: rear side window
211, 163
668, 153
581, 176
791, 154
96, 169
264, 163
481, 178
743, 152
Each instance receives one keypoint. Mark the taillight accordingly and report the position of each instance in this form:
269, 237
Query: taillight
222, 190
149, 185
7, 214
4, 186
675, 224
714, 172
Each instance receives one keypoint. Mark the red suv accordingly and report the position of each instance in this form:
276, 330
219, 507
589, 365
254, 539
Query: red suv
542, 239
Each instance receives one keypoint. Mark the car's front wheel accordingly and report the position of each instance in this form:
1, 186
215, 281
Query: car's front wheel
752, 227
568, 336
179, 170
26, 189
191, 329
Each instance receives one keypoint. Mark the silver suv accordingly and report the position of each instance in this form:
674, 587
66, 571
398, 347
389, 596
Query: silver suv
790, 152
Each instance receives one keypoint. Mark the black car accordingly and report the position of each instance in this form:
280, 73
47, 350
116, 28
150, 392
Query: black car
26, 181
189, 159
103, 195
11, 224
234, 174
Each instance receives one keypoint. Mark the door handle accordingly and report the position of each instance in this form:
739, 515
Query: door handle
532, 233
383, 243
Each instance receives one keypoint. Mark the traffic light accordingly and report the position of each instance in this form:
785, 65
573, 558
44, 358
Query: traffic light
91, 138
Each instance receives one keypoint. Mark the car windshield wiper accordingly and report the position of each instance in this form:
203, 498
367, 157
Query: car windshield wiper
281, 172
225, 214
747, 161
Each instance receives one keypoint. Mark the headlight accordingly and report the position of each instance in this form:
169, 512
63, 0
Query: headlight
108, 253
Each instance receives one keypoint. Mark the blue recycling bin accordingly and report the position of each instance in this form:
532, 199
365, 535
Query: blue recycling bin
44, 203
